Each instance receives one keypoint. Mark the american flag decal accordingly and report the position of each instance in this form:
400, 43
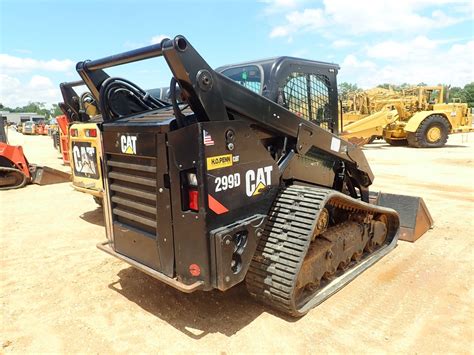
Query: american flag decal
207, 138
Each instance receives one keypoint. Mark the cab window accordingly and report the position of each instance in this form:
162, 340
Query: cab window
249, 76
307, 95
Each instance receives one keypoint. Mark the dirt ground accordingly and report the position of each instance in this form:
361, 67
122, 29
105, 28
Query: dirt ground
60, 294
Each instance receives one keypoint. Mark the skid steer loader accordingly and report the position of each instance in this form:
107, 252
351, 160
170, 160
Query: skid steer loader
16, 171
81, 138
230, 183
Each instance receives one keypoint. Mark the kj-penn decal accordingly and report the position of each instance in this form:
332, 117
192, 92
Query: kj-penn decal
256, 181
128, 144
219, 161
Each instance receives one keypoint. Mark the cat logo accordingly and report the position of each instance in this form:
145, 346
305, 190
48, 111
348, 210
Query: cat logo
84, 156
128, 144
255, 182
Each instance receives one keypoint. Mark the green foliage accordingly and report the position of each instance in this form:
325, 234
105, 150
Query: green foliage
37, 107
56, 111
465, 94
346, 88
396, 87
469, 89
384, 86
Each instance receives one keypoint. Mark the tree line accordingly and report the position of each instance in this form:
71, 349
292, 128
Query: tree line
465, 94
37, 107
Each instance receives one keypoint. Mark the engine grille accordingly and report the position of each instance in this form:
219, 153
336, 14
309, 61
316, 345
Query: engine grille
132, 184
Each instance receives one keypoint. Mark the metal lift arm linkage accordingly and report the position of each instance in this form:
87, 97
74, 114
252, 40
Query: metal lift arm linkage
212, 96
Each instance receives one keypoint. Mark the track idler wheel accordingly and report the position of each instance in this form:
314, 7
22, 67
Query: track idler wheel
12, 178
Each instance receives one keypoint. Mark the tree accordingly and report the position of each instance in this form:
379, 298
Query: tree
469, 92
346, 88
457, 93
385, 86
465, 94
36, 107
55, 110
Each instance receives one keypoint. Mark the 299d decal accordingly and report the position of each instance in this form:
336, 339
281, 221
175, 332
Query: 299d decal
226, 182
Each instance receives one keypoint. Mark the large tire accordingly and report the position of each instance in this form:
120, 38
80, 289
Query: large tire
396, 142
431, 133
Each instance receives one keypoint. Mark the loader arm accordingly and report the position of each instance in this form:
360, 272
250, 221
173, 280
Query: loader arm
214, 97
73, 106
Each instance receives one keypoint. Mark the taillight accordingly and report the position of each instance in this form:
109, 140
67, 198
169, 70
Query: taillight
189, 190
91, 133
192, 179
193, 200
73, 132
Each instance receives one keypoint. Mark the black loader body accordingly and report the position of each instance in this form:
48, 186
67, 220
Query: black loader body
229, 182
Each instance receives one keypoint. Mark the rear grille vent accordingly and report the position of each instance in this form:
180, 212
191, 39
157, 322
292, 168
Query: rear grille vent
132, 183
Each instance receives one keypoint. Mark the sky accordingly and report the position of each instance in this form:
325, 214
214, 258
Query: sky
373, 41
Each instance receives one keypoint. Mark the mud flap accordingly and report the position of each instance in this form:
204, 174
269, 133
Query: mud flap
415, 219
43, 175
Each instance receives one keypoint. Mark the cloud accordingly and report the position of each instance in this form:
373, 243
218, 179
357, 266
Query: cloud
419, 60
367, 16
402, 50
351, 61
11, 64
15, 93
342, 43
158, 39
296, 21
279, 6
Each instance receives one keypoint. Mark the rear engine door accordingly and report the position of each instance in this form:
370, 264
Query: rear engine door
137, 168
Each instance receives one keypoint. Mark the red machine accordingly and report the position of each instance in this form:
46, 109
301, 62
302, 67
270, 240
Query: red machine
63, 124
41, 129
16, 172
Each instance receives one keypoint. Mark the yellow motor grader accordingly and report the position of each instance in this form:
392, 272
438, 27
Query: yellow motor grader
418, 118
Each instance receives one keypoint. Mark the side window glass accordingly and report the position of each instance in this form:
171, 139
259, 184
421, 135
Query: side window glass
249, 76
307, 95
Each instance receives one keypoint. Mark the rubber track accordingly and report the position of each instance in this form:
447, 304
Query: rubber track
13, 171
274, 269
280, 253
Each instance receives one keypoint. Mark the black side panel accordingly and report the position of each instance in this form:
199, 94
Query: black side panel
136, 166
163, 217
136, 244
191, 243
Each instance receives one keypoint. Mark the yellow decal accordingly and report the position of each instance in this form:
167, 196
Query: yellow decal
258, 189
219, 161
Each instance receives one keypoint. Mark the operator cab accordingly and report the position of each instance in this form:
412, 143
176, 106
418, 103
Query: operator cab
305, 87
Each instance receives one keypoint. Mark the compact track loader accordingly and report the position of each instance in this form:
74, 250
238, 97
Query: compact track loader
16, 172
239, 178
80, 138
